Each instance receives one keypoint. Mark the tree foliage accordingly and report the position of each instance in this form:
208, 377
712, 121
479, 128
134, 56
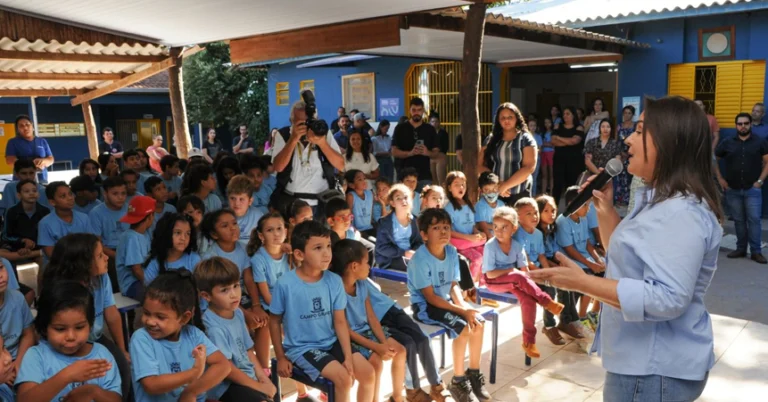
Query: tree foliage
226, 95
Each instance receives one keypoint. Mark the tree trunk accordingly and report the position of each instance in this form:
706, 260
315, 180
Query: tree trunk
468, 93
178, 107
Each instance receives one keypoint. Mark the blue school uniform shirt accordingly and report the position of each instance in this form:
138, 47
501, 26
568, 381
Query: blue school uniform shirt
247, 223
592, 223
269, 270
462, 220
143, 176
533, 243
548, 138
105, 222
6, 395
52, 228
187, 260
416, 210
424, 270
402, 234
166, 208
87, 208
10, 197
13, 282
550, 245
362, 209
355, 311
15, 316
261, 198
494, 258
484, 211
212, 203
238, 256
380, 302
173, 185
270, 181
151, 357
133, 249
307, 310
377, 211
102, 300
576, 234
42, 362
233, 340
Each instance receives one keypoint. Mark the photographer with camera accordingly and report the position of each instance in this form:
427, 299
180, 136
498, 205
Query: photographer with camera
305, 156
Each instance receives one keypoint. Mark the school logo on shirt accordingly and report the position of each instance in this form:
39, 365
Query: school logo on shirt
175, 367
317, 305
317, 310
441, 277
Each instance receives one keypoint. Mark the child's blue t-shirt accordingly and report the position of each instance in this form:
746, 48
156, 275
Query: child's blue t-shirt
550, 245
151, 357
539, 139
533, 243
269, 270
547, 138
362, 209
402, 234
270, 181
247, 223
494, 258
592, 223
212, 203
187, 260
10, 195
416, 210
576, 234
15, 317
238, 256
173, 185
143, 176
52, 228
261, 198
462, 220
13, 282
356, 313
87, 208
105, 222
484, 211
42, 362
233, 340
380, 302
166, 208
424, 270
377, 211
133, 249
307, 310
102, 300
6, 394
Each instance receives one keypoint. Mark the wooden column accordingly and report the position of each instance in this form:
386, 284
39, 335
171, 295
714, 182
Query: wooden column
468, 92
90, 131
178, 107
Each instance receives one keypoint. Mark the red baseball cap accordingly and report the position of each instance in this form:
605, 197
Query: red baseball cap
138, 209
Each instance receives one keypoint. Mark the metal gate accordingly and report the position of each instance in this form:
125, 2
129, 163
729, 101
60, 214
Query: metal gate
438, 85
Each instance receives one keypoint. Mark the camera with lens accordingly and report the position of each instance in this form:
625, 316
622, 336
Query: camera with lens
319, 127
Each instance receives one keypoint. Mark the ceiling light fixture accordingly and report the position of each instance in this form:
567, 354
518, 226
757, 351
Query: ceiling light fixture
593, 65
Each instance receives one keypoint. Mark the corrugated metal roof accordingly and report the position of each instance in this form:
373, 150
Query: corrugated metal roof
586, 12
70, 67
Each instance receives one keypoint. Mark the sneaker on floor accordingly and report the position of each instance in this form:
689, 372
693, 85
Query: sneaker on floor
417, 395
586, 323
462, 391
553, 334
477, 381
307, 398
758, 258
438, 393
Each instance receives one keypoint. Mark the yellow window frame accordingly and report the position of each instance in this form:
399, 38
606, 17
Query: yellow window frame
282, 93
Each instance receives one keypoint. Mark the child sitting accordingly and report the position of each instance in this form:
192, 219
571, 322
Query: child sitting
63, 220
105, 221
22, 219
488, 203
240, 196
410, 177
23, 169
226, 167
171, 356
15, 319
86, 193
173, 246
155, 187
194, 208
199, 181
133, 248
64, 365
380, 200
308, 304
369, 337
397, 236
90, 168
170, 175
133, 160
254, 168
339, 217
504, 267
432, 197
131, 179
360, 201
219, 284
464, 235
433, 276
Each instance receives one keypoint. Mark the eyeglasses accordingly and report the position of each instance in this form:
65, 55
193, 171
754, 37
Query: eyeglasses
743, 123
346, 218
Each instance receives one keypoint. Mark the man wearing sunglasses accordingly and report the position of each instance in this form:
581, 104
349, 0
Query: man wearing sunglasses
746, 167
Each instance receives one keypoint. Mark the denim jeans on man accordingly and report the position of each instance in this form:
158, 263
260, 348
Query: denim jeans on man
650, 388
746, 206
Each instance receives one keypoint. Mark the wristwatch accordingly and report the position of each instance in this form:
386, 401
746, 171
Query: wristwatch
760, 182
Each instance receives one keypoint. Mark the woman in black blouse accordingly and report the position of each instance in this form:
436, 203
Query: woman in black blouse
569, 159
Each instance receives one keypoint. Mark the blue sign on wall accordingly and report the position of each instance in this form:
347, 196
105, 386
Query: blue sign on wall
389, 107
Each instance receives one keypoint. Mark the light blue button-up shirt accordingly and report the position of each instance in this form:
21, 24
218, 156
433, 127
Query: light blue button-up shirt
664, 257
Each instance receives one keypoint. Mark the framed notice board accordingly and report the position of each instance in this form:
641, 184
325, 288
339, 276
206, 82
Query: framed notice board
358, 91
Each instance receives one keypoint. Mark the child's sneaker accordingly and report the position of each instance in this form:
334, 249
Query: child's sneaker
417, 395
531, 350
462, 390
594, 319
477, 380
586, 323
438, 393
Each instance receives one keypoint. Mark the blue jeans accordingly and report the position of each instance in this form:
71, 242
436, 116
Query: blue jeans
650, 388
746, 206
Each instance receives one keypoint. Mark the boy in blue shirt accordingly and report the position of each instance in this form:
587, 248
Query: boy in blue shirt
105, 222
240, 196
86, 193
433, 276
155, 188
488, 203
22, 169
133, 247
253, 167
132, 160
308, 304
15, 319
218, 281
170, 175
21, 222
131, 179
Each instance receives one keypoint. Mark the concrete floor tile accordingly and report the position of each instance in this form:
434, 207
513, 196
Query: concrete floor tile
534, 387
579, 369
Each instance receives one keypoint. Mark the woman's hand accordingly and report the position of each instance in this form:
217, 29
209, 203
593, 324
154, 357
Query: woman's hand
603, 198
567, 276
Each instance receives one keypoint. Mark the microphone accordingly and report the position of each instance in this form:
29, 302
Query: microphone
612, 168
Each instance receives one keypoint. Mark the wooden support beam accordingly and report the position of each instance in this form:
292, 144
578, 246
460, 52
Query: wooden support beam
561, 60
124, 82
178, 107
370, 34
17, 93
25, 76
79, 57
469, 88
90, 131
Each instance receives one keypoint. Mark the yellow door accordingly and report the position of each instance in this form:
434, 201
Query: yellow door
147, 129
8, 131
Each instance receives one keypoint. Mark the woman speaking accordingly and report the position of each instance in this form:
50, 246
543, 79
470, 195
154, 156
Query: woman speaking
655, 334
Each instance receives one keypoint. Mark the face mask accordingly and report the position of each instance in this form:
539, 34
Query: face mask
491, 197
